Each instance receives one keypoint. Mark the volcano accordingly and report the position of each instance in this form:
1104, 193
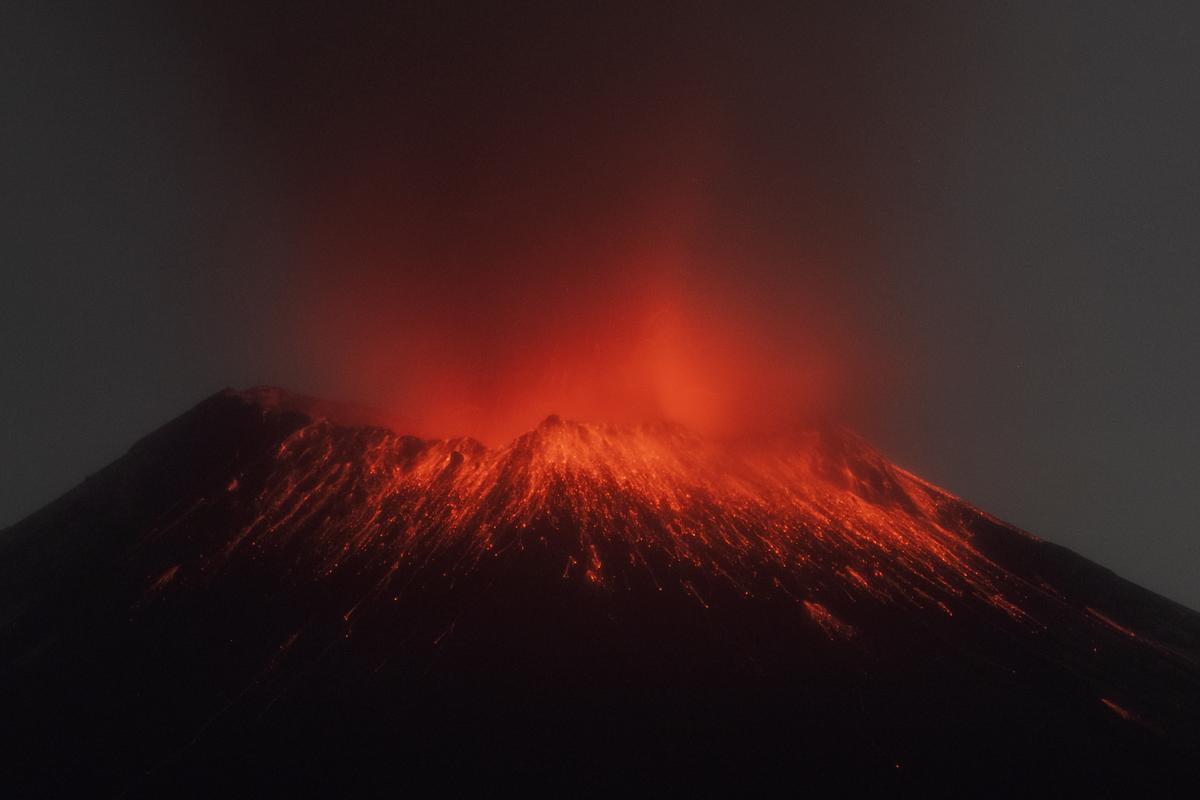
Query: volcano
269, 595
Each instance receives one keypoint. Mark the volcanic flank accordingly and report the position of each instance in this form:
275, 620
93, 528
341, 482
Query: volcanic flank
261, 595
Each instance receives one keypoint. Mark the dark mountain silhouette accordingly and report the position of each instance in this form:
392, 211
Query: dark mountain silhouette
265, 597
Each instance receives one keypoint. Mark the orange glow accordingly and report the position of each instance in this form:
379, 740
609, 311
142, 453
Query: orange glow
649, 345
1118, 710
819, 520
624, 300
834, 628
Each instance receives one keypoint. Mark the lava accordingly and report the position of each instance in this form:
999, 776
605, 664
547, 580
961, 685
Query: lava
276, 576
821, 520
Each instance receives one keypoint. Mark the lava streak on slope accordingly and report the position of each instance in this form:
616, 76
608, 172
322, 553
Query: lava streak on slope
821, 520
260, 592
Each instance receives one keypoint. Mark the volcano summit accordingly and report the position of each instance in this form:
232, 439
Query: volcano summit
268, 595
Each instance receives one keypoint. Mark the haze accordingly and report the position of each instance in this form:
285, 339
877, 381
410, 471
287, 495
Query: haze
971, 233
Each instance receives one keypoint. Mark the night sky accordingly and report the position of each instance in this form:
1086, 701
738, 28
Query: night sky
971, 232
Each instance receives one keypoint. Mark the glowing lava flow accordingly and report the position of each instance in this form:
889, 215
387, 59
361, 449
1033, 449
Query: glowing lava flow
823, 523
269, 575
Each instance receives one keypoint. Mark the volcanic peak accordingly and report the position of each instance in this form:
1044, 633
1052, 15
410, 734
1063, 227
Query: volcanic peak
822, 512
324, 557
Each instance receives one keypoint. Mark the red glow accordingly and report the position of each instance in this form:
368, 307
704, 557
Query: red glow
552, 284
812, 520
641, 336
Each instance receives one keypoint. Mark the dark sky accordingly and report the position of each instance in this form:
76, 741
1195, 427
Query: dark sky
972, 229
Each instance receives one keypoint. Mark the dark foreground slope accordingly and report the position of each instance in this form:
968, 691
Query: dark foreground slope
255, 598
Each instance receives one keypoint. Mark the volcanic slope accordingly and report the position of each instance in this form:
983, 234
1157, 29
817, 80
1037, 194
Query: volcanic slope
258, 596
